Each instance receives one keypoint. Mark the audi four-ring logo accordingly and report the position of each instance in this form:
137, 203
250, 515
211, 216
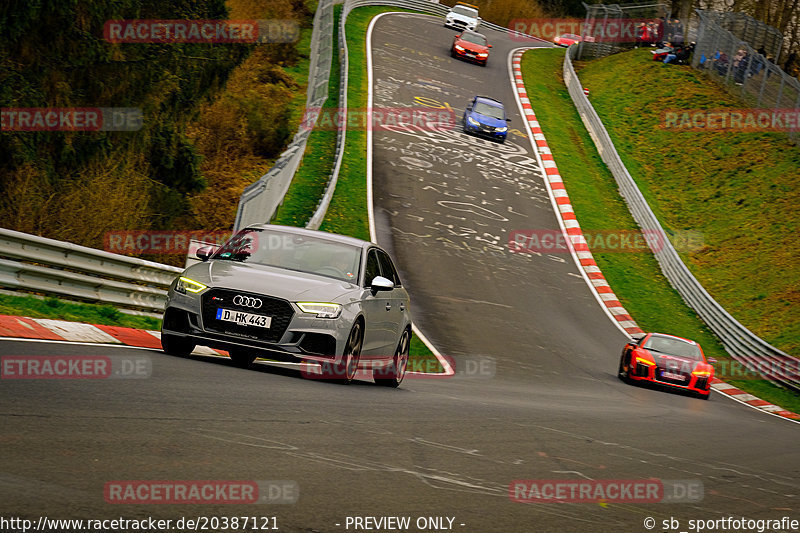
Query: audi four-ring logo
247, 301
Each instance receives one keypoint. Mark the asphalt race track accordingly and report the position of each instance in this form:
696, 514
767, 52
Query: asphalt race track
547, 406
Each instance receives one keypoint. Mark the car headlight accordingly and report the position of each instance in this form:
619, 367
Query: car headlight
473, 121
185, 285
322, 310
502, 129
702, 373
483, 54
459, 48
640, 361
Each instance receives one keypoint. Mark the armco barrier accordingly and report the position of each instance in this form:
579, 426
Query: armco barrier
37, 264
743, 345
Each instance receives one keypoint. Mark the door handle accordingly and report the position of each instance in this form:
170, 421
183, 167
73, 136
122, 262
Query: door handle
402, 307
388, 307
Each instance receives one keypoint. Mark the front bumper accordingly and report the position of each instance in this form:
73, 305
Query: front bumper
298, 336
697, 384
485, 131
459, 25
469, 56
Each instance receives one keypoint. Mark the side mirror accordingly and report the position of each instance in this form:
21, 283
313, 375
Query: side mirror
508, 120
711, 361
379, 283
488, 46
638, 337
204, 253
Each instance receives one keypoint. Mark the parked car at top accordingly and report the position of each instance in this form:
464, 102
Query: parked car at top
294, 294
669, 361
471, 46
568, 39
462, 16
486, 117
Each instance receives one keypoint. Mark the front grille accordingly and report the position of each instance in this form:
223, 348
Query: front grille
280, 310
660, 377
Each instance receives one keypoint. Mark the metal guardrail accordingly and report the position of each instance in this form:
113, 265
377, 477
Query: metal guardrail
38, 264
261, 199
743, 345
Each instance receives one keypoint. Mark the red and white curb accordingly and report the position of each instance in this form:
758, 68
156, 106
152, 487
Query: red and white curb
565, 212
21, 327
591, 272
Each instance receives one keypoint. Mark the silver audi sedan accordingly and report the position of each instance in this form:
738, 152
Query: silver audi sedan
294, 294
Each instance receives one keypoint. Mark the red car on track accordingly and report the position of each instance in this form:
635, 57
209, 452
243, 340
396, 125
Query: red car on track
568, 39
471, 46
667, 360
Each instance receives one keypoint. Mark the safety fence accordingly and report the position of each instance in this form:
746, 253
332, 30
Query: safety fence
740, 53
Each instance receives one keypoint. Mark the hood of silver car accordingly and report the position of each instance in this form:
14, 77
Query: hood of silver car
280, 283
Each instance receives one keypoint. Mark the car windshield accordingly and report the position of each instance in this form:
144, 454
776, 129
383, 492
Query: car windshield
488, 110
474, 38
466, 11
302, 253
675, 347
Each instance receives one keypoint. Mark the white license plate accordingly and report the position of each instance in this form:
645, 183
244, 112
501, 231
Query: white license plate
244, 319
672, 375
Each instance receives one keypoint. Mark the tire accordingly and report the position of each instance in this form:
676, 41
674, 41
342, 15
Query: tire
452, 54
393, 376
241, 358
348, 368
621, 374
174, 345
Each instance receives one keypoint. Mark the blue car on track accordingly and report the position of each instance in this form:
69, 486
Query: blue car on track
486, 117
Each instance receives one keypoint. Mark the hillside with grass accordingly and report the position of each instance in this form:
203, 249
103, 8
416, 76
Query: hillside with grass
740, 190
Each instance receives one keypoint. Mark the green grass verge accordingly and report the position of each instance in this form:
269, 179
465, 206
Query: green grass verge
635, 277
106, 315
